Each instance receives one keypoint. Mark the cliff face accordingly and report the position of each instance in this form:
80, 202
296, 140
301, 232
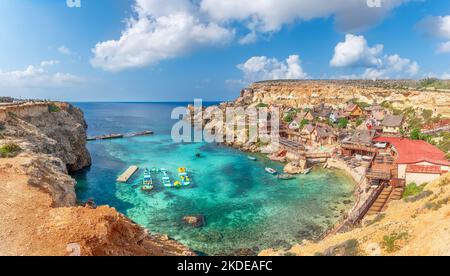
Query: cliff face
338, 93
37, 196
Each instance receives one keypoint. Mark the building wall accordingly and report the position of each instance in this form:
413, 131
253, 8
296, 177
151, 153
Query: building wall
391, 129
420, 178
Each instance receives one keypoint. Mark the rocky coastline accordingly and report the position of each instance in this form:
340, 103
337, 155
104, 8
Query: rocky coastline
41, 215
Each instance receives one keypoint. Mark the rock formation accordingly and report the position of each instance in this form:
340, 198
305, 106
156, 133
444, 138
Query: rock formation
38, 203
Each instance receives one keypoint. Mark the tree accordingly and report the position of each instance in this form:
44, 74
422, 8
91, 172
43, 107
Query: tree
304, 123
359, 122
343, 122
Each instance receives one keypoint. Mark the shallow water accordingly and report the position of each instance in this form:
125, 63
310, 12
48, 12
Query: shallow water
245, 208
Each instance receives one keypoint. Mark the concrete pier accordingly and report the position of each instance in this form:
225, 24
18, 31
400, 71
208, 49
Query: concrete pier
118, 136
127, 174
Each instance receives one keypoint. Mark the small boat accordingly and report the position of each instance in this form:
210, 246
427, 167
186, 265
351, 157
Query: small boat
166, 179
271, 171
286, 177
184, 178
307, 171
147, 182
198, 155
251, 158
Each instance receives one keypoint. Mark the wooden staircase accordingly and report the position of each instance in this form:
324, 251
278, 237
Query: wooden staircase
389, 193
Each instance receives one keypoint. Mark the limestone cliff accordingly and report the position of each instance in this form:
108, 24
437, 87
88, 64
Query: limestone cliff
39, 215
338, 93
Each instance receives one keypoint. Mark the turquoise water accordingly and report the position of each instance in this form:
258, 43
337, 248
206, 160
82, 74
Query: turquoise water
245, 208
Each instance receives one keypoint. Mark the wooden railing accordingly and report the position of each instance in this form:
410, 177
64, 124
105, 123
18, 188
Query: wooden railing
362, 211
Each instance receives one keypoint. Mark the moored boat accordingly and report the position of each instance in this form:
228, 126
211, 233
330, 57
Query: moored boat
166, 179
251, 158
271, 171
147, 182
307, 171
184, 178
286, 177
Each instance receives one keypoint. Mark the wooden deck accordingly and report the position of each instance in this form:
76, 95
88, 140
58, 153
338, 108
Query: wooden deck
127, 174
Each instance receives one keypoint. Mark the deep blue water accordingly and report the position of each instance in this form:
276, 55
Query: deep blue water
245, 208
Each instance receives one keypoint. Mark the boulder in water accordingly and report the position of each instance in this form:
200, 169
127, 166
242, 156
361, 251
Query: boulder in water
196, 221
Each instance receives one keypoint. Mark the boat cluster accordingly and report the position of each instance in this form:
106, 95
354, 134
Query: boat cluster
149, 175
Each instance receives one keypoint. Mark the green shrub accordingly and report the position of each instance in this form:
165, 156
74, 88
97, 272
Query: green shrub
53, 108
343, 122
262, 105
390, 241
9, 150
437, 205
304, 123
359, 122
412, 190
289, 117
418, 197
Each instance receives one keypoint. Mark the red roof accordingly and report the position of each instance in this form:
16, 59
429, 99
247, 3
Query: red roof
415, 151
424, 169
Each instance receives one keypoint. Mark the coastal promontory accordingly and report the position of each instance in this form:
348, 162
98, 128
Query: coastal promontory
40, 144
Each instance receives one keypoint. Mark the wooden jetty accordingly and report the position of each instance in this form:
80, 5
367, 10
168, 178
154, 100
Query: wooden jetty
127, 174
119, 136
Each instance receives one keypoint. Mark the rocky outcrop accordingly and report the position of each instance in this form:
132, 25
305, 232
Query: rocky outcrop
308, 93
38, 203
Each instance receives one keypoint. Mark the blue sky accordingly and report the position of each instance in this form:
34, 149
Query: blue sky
177, 50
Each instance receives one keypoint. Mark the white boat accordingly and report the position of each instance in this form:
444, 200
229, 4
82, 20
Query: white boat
271, 171
251, 158
147, 182
307, 171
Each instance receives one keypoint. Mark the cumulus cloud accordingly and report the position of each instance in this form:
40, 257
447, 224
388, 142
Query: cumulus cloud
271, 15
437, 27
444, 47
37, 76
164, 29
64, 50
264, 68
355, 52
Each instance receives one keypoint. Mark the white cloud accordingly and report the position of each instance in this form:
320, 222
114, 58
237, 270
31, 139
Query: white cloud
444, 47
354, 52
64, 50
393, 66
163, 30
264, 68
46, 63
437, 27
271, 15
37, 76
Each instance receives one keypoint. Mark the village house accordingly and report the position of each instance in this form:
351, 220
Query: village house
306, 134
376, 112
354, 111
337, 115
392, 124
321, 112
323, 135
360, 143
416, 161
300, 116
